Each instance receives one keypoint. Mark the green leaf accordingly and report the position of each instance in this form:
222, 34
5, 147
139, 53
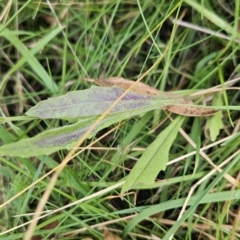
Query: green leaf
94, 101
214, 123
154, 158
28, 56
204, 61
210, 15
56, 139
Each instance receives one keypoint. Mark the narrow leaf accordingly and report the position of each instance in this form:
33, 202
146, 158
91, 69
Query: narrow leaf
56, 139
142, 88
95, 101
28, 56
189, 111
214, 123
46, 142
154, 158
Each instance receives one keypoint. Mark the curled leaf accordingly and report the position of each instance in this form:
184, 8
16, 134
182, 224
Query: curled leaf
125, 84
189, 111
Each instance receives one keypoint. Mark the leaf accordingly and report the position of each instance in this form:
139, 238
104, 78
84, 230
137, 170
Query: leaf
204, 61
189, 111
94, 101
46, 142
214, 123
124, 84
142, 88
154, 158
28, 56
55, 139
110, 236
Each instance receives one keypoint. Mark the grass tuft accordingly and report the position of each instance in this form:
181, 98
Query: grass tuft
48, 49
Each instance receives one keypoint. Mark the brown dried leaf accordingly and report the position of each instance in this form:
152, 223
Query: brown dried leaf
125, 84
189, 111
142, 88
51, 225
110, 236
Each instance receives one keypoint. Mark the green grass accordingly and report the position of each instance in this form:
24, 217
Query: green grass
46, 53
